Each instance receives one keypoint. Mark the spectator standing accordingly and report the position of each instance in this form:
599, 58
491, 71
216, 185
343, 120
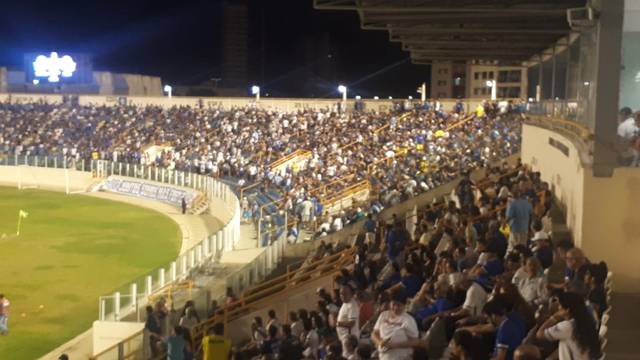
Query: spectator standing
176, 344
152, 327
396, 332
4, 315
215, 346
183, 203
518, 215
348, 322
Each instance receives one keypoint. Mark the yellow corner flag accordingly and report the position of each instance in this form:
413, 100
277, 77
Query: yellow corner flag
21, 215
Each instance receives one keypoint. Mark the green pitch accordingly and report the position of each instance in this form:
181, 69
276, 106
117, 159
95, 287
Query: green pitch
71, 250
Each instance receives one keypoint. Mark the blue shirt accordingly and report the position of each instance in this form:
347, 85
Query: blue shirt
493, 267
391, 280
519, 210
439, 305
412, 284
369, 225
510, 335
175, 347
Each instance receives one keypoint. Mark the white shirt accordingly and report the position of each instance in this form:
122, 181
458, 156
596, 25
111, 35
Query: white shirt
627, 129
475, 299
533, 290
398, 329
568, 348
349, 312
297, 329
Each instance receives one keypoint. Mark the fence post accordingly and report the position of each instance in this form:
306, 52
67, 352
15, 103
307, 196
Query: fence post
55, 162
134, 295
173, 273
148, 285
205, 247
116, 305
103, 309
184, 264
161, 277
182, 180
199, 254
192, 259
121, 351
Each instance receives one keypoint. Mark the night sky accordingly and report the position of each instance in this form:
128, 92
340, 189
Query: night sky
294, 50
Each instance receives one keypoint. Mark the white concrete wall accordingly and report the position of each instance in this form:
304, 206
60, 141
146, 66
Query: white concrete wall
283, 104
564, 174
108, 333
45, 178
602, 212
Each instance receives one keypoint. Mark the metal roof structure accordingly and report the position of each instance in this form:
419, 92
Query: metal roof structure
504, 30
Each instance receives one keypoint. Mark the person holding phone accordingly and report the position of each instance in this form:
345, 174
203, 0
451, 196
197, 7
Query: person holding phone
396, 332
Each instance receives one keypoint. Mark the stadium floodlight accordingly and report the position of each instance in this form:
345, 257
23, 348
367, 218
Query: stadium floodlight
168, 89
494, 91
255, 90
390, 97
376, 98
358, 97
410, 97
343, 90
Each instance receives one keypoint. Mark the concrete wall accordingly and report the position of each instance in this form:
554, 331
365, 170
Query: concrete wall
108, 333
283, 104
565, 174
143, 85
45, 179
601, 212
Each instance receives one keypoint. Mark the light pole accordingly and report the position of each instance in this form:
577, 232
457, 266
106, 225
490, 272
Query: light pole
494, 89
255, 90
168, 89
343, 90
423, 92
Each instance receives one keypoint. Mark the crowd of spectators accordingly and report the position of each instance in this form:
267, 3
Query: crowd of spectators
474, 277
401, 154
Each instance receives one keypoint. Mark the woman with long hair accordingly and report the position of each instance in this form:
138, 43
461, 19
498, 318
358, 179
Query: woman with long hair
574, 327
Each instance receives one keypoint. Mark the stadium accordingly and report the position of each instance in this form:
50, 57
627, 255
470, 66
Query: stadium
490, 217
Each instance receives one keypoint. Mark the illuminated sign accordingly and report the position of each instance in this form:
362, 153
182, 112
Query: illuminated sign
52, 67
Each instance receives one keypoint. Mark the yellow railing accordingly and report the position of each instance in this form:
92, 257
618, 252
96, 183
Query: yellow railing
286, 158
349, 191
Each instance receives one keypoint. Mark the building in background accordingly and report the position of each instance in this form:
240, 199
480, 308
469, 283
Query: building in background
448, 79
454, 79
235, 44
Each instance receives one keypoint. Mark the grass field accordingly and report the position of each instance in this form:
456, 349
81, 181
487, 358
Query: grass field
71, 250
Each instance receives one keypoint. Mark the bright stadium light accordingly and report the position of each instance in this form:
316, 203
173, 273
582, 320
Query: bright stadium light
358, 97
494, 91
390, 97
343, 90
410, 97
36, 81
255, 90
53, 66
376, 98
168, 89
